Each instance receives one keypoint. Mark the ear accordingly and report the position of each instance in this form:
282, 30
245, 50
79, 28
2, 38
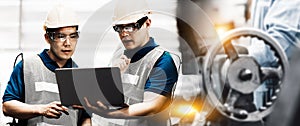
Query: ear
148, 23
47, 38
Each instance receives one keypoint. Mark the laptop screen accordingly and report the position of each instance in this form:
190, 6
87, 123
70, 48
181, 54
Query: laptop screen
96, 84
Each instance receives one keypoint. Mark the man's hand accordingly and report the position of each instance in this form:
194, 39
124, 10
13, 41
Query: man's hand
122, 63
101, 109
53, 110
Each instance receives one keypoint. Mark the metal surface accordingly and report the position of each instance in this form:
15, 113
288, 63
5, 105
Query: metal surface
237, 75
243, 75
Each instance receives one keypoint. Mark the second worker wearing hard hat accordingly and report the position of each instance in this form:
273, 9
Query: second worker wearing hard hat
148, 71
31, 94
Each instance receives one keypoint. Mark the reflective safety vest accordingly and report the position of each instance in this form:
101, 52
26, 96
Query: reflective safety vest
134, 79
41, 88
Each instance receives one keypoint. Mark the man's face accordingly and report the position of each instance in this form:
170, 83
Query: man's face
133, 37
63, 43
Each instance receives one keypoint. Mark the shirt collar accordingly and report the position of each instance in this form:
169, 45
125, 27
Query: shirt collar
52, 65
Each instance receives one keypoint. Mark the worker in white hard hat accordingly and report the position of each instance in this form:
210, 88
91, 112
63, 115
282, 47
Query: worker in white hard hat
31, 94
148, 71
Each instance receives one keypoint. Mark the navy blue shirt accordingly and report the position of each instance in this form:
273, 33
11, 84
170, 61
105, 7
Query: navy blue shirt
161, 79
15, 89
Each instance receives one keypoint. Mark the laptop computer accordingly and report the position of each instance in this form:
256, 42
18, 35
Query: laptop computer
96, 84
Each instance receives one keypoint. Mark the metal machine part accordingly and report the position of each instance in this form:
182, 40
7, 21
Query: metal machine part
232, 75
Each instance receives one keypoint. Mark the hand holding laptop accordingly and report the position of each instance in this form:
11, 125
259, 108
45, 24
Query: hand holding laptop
103, 110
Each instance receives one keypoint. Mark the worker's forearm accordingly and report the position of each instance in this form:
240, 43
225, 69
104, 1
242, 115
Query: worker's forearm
140, 109
153, 103
21, 110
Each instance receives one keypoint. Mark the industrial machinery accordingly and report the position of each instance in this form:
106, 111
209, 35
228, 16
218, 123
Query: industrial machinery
237, 83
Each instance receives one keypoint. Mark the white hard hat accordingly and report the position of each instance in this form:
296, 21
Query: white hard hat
129, 11
60, 16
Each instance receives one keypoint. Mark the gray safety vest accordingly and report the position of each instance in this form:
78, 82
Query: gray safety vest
134, 79
41, 88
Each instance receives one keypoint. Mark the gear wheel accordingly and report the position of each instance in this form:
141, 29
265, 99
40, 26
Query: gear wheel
233, 74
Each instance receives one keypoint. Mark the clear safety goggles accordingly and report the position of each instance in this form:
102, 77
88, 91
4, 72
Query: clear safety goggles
130, 27
61, 37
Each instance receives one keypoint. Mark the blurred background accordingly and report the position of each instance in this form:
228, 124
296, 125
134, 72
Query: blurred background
21, 30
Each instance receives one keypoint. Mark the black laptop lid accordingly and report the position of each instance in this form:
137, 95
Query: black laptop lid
95, 84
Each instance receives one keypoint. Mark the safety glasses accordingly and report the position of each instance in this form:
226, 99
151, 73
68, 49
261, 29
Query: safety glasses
130, 27
61, 37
